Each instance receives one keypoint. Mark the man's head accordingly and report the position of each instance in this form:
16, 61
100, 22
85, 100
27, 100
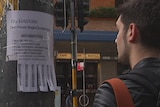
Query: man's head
143, 17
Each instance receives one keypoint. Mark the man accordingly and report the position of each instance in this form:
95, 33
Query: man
138, 44
68, 96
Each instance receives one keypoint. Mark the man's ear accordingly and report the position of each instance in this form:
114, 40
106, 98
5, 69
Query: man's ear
133, 33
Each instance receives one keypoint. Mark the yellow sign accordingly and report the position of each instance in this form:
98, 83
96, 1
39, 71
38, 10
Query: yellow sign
15, 4
92, 56
2, 9
63, 56
79, 56
3, 3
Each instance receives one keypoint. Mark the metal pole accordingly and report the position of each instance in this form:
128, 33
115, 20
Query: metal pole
64, 5
84, 88
9, 97
74, 52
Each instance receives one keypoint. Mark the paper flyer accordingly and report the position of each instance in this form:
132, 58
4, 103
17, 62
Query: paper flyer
30, 39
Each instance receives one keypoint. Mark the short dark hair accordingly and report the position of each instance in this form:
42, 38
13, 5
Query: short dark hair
146, 15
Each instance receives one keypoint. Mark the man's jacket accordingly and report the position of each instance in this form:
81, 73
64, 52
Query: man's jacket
143, 82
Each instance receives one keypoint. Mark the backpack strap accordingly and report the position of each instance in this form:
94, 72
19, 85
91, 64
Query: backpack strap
122, 94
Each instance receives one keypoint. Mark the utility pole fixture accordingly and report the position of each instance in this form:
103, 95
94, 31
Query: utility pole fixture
62, 17
61, 13
74, 54
82, 12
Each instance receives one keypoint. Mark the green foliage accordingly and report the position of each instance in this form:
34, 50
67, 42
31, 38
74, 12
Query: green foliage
103, 12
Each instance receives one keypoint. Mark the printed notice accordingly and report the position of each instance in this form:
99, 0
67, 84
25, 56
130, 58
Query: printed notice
30, 39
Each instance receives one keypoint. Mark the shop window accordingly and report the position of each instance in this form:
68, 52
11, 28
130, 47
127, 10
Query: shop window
64, 76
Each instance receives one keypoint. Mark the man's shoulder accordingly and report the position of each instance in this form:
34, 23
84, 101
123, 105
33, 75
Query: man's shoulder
143, 78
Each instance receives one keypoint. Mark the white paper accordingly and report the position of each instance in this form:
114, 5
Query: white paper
19, 77
42, 78
33, 78
30, 39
